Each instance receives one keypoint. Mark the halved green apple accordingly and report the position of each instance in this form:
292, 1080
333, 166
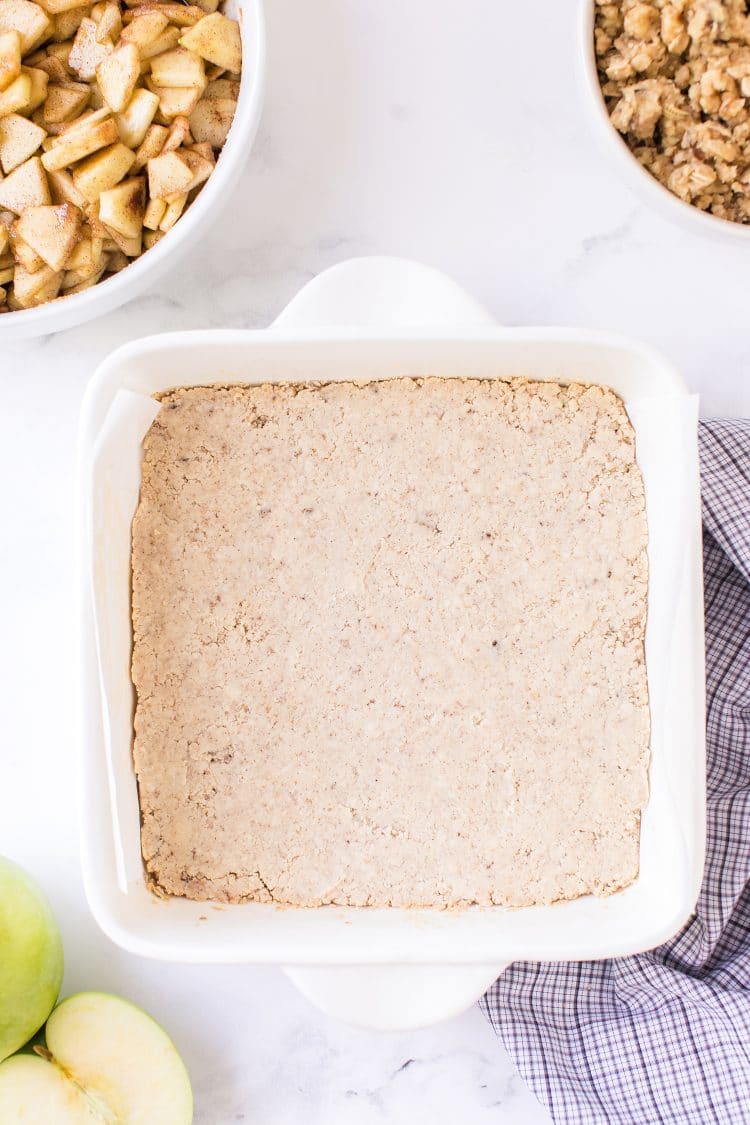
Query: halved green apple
106, 1063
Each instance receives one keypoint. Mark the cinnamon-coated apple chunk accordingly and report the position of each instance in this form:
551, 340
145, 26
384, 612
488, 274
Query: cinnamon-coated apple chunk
144, 29
211, 120
175, 207
24, 254
168, 175
19, 139
122, 208
108, 19
10, 57
38, 82
16, 96
133, 122
93, 133
65, 102
181, 15
151, 145
216, 39
87, 257
52, 231
25, 187
165, 41
30, 21
103, 170
117, 76
179, 67
175, 101
30, 289
154, 213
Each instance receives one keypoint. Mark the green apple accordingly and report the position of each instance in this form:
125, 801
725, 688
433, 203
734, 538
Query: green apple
106, 1063
31, 958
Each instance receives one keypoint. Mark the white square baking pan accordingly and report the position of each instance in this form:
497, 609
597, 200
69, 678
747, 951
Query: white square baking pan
377, 318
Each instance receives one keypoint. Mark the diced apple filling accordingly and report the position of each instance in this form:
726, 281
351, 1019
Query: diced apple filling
112, 115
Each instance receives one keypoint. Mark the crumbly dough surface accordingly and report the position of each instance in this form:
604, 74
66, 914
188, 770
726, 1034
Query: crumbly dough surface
389, 643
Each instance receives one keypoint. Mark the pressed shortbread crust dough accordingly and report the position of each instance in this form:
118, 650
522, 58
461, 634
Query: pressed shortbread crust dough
389, 643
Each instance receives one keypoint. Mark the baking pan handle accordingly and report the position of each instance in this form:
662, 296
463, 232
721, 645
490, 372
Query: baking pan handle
394, 997
382, 293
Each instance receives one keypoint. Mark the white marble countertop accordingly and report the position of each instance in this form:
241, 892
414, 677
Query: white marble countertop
448, 133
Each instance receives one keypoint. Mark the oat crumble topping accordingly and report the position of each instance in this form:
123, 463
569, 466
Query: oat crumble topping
676, 79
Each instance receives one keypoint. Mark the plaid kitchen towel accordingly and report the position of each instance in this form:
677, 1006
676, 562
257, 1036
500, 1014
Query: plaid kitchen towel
664, 1037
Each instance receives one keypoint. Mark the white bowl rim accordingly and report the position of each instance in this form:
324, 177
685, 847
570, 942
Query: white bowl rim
642, 182
68, 312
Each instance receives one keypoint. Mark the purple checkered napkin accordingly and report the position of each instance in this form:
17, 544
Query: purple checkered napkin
664, 1037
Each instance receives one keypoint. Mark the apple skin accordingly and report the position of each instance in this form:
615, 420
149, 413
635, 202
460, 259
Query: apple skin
31, 958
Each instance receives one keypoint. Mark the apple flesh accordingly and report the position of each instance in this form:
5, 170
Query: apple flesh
31, 958
106, 1063
31, 1089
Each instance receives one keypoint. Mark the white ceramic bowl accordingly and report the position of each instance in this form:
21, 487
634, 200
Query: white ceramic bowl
66, 312
645, 185
376, 318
